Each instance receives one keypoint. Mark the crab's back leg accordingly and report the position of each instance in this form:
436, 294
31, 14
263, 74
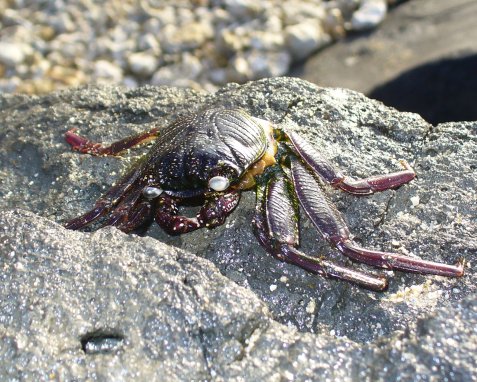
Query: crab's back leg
334, 177
329, 222
276, 228
85, 146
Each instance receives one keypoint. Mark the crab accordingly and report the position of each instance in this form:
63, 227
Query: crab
210, 157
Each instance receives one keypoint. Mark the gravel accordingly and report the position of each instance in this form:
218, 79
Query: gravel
204, 44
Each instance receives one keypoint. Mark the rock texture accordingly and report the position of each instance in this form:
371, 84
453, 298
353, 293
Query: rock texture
212, 305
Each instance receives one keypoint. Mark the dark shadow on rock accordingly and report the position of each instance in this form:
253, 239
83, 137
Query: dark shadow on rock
440, 91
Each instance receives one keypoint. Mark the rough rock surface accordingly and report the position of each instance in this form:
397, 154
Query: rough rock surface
212, 305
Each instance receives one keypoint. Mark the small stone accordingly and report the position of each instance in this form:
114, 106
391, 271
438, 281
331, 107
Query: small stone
9, 85
311, 306
267, 41
142, 63
305, 38
231, 41
159, 17
218, 75
369, 14
175, 39
178, 74
415, 200
333, 23
47, 33
268, 64
239, 70
130, 82
273, 288
107, 70
242, 8
11, 54
148, 42
298, 12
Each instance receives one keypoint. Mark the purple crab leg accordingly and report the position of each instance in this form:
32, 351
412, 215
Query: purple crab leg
212, 213
104, 204
276, 228
329, 222
85, 146
132, 212
365, 186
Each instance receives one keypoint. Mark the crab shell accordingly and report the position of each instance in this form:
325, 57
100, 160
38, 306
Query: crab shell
216, 143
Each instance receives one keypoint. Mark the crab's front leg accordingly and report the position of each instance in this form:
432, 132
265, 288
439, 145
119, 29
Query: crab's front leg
130, 184
212, 214
276, 227
329, 222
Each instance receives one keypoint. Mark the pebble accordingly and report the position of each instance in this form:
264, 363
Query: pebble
370, 14
11, 54
181, 74
415, 200
305, 38
142, 63
107, 71
188, 43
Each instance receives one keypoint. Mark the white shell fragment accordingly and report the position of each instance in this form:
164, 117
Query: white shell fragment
151, 192
219, 183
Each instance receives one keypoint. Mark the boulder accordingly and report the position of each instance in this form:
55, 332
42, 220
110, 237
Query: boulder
212, 304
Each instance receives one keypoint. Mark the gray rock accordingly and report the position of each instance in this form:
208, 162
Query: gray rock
106, 306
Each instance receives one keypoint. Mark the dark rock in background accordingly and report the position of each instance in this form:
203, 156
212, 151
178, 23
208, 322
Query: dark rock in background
421, 59
106, 306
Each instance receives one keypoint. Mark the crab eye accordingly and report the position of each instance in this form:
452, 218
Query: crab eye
219, 183
151, 192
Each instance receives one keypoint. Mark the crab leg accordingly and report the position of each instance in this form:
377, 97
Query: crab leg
132, 212
276, 228
85, 146
329, 222
366, 186
104, 204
